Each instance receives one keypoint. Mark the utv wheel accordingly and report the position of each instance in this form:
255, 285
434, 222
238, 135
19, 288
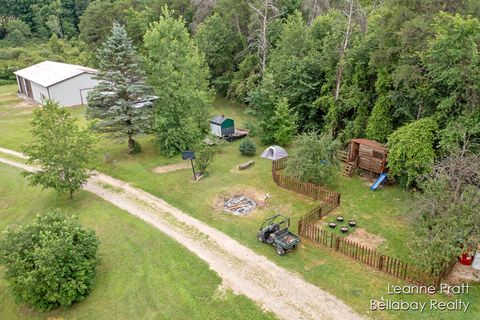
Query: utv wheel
280, 251
260, 238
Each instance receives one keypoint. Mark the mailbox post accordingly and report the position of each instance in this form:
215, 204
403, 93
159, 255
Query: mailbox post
190, 155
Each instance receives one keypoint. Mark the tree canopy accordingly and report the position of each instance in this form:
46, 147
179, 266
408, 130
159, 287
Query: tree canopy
50, 262
60, 148
411, 150
313, 158
120, 100
179, 75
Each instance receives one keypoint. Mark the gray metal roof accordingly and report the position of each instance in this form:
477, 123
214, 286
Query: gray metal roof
48, 73
218, 119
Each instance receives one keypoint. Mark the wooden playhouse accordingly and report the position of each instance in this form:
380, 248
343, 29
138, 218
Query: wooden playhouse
365, 154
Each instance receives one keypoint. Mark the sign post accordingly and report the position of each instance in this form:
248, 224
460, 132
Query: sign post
190, 155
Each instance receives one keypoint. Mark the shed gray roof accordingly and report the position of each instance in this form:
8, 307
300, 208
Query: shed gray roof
48, 73
218, 119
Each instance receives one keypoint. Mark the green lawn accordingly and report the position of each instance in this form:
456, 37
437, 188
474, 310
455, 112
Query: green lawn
381, 212
143, 274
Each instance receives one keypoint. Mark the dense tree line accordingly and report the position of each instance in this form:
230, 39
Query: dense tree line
348, 67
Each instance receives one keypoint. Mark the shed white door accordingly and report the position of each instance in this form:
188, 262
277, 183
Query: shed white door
216, 129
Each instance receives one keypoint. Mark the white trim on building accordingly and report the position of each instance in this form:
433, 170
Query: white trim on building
67, 84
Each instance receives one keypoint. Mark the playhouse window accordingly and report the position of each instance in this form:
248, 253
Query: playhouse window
377, 155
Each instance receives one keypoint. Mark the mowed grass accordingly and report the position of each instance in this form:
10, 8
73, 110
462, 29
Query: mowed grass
382, 212
143, 274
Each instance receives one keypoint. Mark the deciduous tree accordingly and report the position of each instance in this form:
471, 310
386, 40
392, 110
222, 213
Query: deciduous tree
179, 75
446, 217
410, 150
313, 158
60, 148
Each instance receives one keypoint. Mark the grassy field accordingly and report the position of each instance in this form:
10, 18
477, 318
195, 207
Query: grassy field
382, 213
143, 274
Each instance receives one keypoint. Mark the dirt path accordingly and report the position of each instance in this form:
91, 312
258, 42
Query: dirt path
276, 289
172, 167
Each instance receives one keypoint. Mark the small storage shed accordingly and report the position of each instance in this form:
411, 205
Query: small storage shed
67, 84
367, 154
221, 126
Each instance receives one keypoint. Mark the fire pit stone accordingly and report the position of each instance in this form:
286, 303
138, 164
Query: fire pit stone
239, 205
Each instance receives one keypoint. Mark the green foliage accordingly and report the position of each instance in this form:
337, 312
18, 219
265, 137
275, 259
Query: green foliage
313, 158
247, 147
453, 62
97, 20
114, 101
137, 148
461, 135
252, 128
220, 43
179, 75
204, 155
446, 218
51, 262
34, 51
410, 150
301, 67
245, 79
380, 125
281, 127
17, 32
61, 150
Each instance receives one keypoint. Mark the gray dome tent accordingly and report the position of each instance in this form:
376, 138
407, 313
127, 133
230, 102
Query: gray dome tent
274, 153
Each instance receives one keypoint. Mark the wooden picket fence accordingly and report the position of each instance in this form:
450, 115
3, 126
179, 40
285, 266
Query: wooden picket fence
372, 258
308, 189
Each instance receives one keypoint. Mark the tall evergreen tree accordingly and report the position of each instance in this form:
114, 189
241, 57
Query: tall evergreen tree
115, 100
179, 75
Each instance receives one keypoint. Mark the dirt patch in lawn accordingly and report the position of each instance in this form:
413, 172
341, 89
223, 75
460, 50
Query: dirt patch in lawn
366, 239
461, 274
172, 167
308, 266
21, 104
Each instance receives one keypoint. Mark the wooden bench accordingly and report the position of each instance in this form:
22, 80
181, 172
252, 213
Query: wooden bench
246, 165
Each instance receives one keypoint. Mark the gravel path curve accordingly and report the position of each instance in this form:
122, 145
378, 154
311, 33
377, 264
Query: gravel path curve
274, 288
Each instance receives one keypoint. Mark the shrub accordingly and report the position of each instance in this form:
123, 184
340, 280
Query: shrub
204, 156
136, 148
313, 158
252, 128
50, 262
247, 147
410, 150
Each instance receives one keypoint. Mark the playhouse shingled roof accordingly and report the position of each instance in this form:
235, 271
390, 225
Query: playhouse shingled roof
48, 73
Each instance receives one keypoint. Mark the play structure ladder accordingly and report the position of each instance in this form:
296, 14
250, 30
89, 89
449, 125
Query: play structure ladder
348, 170
382, 178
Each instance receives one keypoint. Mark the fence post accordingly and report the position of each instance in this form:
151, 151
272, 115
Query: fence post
337, 243
380, 262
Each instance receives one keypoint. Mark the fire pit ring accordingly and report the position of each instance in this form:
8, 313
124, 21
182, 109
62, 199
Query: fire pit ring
239, 205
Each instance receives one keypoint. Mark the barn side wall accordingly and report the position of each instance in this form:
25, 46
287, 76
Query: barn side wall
39, 93
73, 91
